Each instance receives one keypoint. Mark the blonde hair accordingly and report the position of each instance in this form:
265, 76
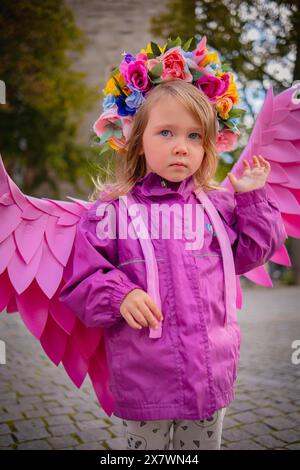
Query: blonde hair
130, 165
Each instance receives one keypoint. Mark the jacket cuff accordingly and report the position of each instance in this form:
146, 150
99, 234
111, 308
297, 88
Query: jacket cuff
119, 294
249, 198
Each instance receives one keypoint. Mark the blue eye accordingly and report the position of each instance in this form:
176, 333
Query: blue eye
163, 131
197, 134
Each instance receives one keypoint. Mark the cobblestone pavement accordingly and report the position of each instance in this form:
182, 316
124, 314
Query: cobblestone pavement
40, 408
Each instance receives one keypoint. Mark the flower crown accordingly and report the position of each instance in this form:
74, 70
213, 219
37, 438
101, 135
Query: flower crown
129, 83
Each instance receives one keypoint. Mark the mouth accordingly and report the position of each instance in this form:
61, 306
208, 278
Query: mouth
178, 164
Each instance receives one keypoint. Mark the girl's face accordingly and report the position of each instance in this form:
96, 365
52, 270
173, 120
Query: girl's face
172, 136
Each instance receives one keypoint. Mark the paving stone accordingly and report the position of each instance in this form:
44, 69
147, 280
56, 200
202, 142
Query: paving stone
31, 434
63, 420
4, 417
293, 446
63, 430
6, 440
35, 445
293, 417
246, 417
60, 410
269, 441
84, 417
286, 407
257, 429
241, 406
41, 412
4, 429
29, 424
60, 443
235, 434
244, 445
280, 423
92, 446
289, 436
117, 443
95, 424
268, 411
93, 435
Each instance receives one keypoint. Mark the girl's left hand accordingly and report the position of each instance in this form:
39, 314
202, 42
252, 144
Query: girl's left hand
252, 178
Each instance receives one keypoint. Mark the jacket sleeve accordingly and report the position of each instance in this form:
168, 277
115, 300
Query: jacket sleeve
96, 288
254, 226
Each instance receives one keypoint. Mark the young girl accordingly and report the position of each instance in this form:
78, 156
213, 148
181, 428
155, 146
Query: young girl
181, 375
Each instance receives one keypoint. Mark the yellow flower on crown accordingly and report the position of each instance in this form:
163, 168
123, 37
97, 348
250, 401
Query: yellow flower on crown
148, 49
111, 87
211, 57
232, 92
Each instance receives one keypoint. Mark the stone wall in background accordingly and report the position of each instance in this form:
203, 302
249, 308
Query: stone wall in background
112, 28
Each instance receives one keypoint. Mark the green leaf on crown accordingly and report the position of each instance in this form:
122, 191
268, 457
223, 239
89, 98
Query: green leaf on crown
196, 74
155, 49
190, 45
156, 71
236, 112
105, 148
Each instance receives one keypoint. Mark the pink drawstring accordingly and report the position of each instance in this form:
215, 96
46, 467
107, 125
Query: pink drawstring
227, 256
150, 261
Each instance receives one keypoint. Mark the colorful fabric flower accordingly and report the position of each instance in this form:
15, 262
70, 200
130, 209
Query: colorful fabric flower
174, 66
135, 100
136, 75
226, 140
223, 106
123, 108
211, 86
200, 52
113, 129
109, 101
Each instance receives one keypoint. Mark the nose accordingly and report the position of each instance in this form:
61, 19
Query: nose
180, 148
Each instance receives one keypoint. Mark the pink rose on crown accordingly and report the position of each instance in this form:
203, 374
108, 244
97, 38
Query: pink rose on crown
136, 75
174, 66
213, 86
226, 140
200, 52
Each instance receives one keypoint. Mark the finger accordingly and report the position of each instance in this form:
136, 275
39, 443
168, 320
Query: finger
131, 321
139, 317
256, 162
154, 309
264, 162
232, 178
149, 317
246, 164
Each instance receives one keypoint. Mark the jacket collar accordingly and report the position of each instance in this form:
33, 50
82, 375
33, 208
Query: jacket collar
154, 185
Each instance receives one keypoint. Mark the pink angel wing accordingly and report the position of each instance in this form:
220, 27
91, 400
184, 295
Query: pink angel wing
276, 136
36, 241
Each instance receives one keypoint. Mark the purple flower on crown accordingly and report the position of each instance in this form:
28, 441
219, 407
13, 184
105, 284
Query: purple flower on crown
135, 100
123, 109
109, 101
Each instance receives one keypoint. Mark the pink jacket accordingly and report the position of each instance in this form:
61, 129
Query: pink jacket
187, 369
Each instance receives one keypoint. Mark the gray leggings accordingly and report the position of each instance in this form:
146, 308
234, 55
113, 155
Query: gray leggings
189, 434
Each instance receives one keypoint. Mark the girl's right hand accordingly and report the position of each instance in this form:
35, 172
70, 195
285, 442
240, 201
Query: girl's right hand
139, 310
